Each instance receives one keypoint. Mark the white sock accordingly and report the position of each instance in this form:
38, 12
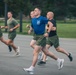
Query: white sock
32, 67
58, 59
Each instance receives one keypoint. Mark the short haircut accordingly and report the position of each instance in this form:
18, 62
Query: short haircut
39, 9
10, 12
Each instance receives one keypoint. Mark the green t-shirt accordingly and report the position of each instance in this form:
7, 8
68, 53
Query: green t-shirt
11, 23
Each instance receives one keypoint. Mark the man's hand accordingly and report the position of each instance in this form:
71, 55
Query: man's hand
53, 28
2, 27
29, 32
46, 35
11, 29
27, 26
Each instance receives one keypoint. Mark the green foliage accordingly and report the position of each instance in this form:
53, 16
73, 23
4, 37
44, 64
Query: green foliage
61, 8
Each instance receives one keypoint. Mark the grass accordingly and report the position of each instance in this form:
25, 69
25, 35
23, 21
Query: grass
64, 30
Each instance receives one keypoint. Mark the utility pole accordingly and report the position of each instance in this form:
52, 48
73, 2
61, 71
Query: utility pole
20, 21
5, 15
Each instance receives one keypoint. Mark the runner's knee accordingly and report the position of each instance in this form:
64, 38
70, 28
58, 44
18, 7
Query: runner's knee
31, 44
58, 49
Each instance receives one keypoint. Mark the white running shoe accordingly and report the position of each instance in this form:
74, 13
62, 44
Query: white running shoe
18, 51
60, 63
29, 70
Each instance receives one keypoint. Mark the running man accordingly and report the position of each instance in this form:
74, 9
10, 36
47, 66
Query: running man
12, 25
38, 25
2, 40
54, 40
32, 43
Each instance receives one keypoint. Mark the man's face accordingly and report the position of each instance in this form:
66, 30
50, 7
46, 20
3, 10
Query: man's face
9, 14
36, 11
32, 14
48, 15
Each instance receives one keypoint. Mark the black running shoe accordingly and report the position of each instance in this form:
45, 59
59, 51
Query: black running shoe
70, 57
41, 62
10, 48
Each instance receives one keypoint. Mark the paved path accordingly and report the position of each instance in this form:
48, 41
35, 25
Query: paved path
11, 65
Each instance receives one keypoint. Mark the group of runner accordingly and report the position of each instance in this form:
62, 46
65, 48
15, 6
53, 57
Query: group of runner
44, 36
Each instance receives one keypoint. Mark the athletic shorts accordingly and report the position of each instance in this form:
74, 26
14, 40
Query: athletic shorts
54, 40
40, 40
11, 35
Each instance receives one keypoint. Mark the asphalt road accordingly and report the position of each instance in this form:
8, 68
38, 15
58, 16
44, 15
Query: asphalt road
12, 65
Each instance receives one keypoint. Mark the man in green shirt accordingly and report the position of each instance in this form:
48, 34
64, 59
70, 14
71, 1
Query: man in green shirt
12, 25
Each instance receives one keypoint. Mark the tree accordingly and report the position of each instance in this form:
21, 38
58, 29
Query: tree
61, 8
1, 8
